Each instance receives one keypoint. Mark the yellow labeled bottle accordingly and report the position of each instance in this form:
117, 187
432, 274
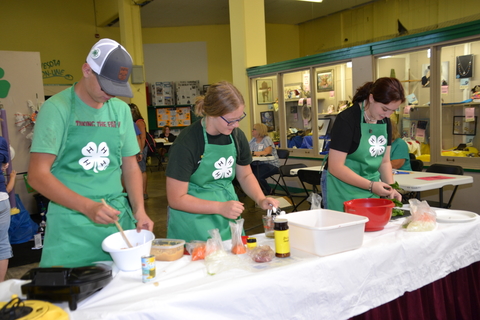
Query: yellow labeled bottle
251, 242
282, 241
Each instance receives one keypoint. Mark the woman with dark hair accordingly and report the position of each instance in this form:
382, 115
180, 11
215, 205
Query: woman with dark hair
168, 136
358, 164
204, 159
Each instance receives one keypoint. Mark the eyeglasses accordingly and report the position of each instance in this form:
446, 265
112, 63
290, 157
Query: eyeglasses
231, 123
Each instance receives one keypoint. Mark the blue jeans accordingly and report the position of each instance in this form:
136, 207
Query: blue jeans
5, 248
262, 171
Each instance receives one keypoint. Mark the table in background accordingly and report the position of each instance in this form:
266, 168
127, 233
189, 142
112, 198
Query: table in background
414, 181
390, 264
163, 141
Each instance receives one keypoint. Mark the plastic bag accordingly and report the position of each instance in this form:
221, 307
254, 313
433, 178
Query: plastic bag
423, 217
316, 200
261, 254
237, 244
197, 249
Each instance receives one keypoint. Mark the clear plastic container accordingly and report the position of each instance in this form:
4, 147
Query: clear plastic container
167, 249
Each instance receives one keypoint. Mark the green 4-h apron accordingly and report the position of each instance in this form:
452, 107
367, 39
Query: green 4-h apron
365, 162
211, 181
89, 164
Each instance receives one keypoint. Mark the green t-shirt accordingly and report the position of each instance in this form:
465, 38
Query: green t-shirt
52, 122
187, 150
399, 150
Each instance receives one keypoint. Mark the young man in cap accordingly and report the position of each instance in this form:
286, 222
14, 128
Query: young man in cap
84, 142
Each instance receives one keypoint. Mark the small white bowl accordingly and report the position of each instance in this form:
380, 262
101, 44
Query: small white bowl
129, 259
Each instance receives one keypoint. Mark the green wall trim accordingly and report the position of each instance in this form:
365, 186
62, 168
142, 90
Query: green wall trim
400, 43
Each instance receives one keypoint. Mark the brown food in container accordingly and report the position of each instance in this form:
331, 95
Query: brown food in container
167, 249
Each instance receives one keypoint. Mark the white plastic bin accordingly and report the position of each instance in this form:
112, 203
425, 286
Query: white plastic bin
324, 232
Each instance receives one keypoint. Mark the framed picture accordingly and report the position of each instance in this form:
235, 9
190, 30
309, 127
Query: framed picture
323, 124
464, 66
325, 81
205, 88
464, 128
268, 120
265, 91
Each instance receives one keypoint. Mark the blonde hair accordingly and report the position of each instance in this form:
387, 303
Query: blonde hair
261, 129
221, 98
395, 132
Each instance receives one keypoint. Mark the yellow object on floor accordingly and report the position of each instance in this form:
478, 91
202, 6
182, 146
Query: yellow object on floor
34, 309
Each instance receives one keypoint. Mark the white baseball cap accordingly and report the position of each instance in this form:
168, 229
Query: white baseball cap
112, 64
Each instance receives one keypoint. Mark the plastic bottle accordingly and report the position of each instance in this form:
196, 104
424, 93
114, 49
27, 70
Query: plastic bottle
282, 240
251, 242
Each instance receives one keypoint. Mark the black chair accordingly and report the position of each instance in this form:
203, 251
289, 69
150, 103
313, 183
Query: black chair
282, 154
309, 177
157, 156
412, 156
446, 169
416, 164
285, 173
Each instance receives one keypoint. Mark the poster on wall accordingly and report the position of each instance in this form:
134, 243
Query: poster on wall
268, 119
265, 91
174, 117
325, 81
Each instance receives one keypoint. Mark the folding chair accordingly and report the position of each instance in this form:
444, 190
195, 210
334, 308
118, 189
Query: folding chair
282, 154
447, 169
416, 164
309, 177
285, 173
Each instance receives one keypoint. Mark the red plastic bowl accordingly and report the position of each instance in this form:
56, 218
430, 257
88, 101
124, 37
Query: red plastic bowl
378, 211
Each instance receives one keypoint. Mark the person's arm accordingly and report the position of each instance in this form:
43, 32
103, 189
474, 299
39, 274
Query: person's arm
337, 167
264, 152
397, 163
11, 181
143, 134
179, 199
134, 187
250, 186
42, 180
386, 175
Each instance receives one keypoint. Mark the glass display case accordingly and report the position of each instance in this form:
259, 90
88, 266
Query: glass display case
413, 117
460, 97
438, 69
302, 106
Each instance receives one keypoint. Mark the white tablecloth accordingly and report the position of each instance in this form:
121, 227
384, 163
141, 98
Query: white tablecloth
389, 263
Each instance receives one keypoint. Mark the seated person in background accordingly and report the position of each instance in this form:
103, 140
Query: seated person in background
262, 145
399, 156
167, 136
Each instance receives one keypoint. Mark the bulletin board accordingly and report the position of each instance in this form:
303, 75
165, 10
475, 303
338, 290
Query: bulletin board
173, 117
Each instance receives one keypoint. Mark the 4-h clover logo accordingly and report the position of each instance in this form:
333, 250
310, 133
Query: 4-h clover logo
95, 158
224, 168
377, 145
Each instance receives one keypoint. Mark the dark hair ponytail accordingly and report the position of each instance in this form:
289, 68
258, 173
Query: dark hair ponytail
384, 90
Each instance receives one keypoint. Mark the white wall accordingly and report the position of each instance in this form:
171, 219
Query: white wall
183, 61
23, 73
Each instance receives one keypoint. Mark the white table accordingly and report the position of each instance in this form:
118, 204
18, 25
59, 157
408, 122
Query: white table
262, 158
390, 263
414, 181
422, 181
164, 141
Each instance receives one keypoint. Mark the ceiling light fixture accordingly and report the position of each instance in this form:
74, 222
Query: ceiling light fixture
312, 0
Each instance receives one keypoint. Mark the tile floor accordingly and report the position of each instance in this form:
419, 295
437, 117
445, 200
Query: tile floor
156, 207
